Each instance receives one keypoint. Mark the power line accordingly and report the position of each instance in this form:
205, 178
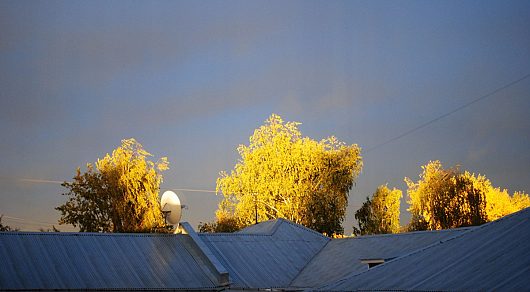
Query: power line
402, 135
421, 126
38, 180
193, 190
27, 221
31, 180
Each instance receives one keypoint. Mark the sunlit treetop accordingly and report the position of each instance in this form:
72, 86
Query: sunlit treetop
380, 213
119, 195
282, 174
448, 198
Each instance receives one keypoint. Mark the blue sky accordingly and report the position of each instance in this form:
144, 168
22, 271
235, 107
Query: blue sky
192, 80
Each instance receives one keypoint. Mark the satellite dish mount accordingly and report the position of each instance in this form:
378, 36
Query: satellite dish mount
171, 208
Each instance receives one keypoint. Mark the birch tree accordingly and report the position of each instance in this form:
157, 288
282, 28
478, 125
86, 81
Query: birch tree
282, 174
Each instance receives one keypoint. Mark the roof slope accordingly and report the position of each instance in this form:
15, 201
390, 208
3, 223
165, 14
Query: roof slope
269, 255
45, 261
342, 257
494, 256
265, 227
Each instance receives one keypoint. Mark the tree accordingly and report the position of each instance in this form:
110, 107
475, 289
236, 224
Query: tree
6, 227
284, 175
119, 195
53, 229
448, 198
229, 224
380, 214
500, 203
225, 220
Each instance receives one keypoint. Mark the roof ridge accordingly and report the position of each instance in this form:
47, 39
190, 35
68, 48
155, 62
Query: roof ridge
276, 223
251, 227
231, 234
221, 274
463, 229
300, 226
308, 262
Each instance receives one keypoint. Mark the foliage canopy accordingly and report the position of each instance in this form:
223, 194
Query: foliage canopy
6, 227
500, 203
448, 198
119, 195
284, 175
380, 214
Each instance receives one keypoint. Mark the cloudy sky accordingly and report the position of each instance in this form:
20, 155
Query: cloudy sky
192, 80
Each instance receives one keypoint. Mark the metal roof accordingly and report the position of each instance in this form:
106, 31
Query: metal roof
268, 257
342, 257
493, 256
266, 227
273, 254
44, 261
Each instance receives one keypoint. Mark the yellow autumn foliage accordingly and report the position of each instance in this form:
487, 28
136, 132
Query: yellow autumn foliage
379, 214
283, 175
448, 198
120, 195
500, 203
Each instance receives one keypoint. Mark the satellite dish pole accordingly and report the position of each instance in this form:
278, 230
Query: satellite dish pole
165, 212
256, 208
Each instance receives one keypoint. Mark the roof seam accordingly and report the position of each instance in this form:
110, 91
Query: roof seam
404, 234
309, 262
234, 271
213, 264
302, 227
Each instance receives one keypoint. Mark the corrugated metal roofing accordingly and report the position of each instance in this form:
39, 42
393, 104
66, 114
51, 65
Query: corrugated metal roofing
342, 257
269, 258
273, 254
101, 261
494, 256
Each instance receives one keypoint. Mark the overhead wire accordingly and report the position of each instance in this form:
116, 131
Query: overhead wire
38, 180
442, 116
30, 180
25, 221
33, 180
398, 137
192, 190
35, 223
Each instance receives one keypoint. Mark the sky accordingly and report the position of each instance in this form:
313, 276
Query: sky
191, 80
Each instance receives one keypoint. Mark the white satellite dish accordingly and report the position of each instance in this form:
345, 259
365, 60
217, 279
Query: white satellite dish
171, 207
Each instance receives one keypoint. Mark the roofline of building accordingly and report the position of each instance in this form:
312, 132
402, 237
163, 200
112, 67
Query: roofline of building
214, 265
466, 231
